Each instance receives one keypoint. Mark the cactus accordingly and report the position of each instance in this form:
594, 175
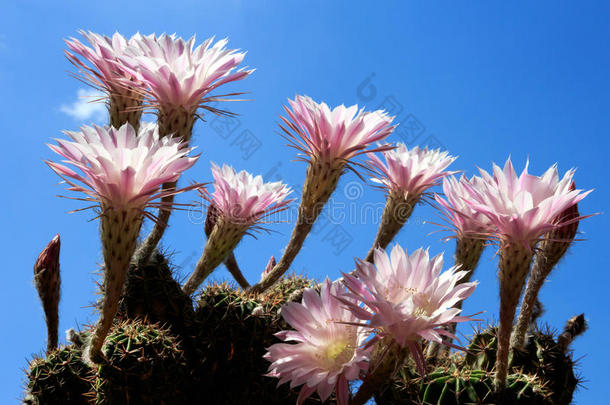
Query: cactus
233, 342
542, 373
461, 385
146, 364
152, 293
60, 378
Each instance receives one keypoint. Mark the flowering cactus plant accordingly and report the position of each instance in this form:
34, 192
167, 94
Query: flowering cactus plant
384, 332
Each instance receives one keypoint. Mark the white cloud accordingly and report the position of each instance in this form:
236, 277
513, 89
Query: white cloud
87, 106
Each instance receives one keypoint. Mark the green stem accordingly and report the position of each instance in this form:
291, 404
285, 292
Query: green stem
386, 358
223, 239
235, 271
119, 234
125, 107
397, 210
514, 265
320, 182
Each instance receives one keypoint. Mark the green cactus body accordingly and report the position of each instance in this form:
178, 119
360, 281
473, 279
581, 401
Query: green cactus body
60, 378
146, 366
542, 373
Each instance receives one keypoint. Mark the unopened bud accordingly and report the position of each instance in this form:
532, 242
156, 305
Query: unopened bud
47, 280
270, 265
47, 264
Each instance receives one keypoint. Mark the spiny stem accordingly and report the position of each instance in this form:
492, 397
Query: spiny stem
299, 233
210, 222
574, 327
124, 108
528, 303
114, 278
233, 268
397, 210
119, 233
52, 319
320, 182
548, 256
223, 239
514, 266
146, 249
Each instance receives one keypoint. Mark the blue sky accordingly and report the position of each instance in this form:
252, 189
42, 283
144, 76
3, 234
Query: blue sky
484, 80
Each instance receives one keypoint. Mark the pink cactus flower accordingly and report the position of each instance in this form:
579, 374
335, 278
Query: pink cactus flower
456, 207
329, 348
178, 74
101, 69
411, 172
122, 173
523, 208
245, 199
406, 297
338, 134
240, 202
328, 140
119, 169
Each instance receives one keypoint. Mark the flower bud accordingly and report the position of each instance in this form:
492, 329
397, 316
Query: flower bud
47, 280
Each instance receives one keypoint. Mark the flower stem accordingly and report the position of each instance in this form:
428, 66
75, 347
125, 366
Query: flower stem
514, 265
397, 210
223, 239
235, 271
146, 249
119, 233
176, 122
575, 326
540, 271
387, 356
299, 233
320, 182
125, 107
549, 254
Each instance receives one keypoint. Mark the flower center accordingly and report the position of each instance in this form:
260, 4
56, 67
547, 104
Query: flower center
425, 308
339, 352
